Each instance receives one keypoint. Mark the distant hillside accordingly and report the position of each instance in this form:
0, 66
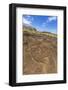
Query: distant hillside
31, 30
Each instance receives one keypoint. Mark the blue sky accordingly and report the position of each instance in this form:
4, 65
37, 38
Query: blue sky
42, 23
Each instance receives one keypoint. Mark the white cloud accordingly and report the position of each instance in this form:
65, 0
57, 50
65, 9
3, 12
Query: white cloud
51, 19
29, 17
25, 21
43, 24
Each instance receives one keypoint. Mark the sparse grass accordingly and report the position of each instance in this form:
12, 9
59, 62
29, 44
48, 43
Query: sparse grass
40, 33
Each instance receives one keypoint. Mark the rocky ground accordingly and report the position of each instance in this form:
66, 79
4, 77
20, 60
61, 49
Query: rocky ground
40, 54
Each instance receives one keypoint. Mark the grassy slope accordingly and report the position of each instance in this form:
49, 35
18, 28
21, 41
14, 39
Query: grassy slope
39, 33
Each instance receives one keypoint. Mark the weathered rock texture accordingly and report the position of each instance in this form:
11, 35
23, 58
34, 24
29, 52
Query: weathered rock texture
39, 54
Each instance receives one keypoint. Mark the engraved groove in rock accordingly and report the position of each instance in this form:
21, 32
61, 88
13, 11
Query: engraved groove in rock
40, 54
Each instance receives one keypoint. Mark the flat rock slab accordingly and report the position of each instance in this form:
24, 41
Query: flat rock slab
40, 54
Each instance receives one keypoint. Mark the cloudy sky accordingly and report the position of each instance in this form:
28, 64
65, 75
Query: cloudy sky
41, 23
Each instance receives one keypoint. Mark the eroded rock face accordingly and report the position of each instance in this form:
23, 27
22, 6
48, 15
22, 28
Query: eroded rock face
40, 54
